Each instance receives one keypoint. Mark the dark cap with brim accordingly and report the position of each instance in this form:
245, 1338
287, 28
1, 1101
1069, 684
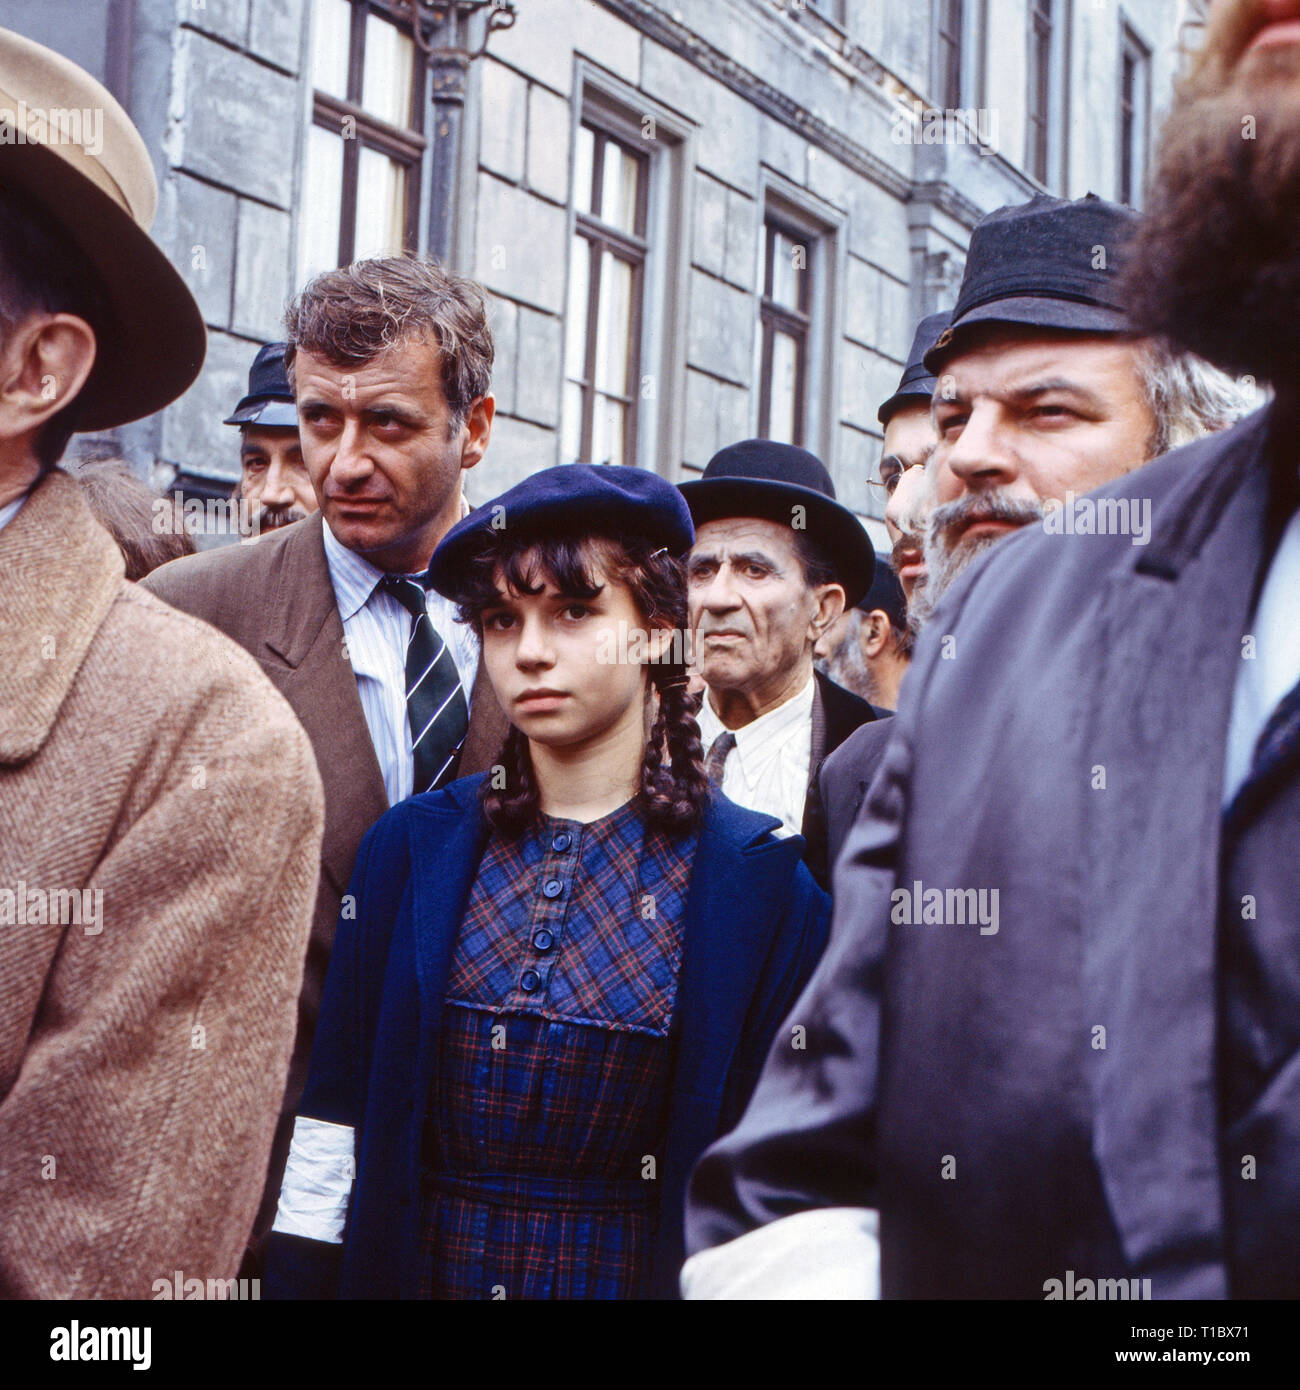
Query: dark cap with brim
917, 384
764, 479
269, 401
1048, 264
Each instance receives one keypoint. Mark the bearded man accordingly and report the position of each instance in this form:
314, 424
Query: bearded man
1099, 1069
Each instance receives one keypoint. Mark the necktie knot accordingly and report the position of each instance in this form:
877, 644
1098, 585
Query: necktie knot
407, 590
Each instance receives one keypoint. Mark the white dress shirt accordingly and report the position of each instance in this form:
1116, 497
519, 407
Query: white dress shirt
376, 628
1275, 668
768, 768
10, 510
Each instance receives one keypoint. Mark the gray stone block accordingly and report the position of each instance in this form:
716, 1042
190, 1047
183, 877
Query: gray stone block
276, 31
538, 376
861, 301
607, 40
504, 320
237, 120
709, 244
742, 241
521, 248
502, 127
701, 435
204, 247
895, 327
728, 140
548, 144
261, 271
228, 19
540, 43
193, 437
858, 456
517, 450
721, 329
866, 379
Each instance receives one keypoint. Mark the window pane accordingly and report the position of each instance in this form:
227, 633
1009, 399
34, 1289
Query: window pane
788, 260
583, 169
575, 326
613, 324
619, 194
320, 210
331, 27
381, 206
571, 428
386, 76
607, 431
785, 357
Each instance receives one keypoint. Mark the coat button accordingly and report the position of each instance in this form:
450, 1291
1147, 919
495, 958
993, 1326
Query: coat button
529, 981
543, 940
552, 888
561, 842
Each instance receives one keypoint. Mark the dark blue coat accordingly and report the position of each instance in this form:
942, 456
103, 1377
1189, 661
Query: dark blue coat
754, 927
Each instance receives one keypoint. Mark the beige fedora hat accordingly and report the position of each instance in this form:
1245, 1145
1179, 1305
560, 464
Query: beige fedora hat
67, 146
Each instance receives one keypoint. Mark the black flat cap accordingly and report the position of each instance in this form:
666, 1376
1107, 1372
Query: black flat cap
759, 477
1047, 263
571, 499
269, 401
917, 382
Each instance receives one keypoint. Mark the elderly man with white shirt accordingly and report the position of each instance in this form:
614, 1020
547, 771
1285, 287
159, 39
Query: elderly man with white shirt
775, 561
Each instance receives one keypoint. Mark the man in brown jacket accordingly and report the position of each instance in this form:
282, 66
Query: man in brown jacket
160, 812
391, 363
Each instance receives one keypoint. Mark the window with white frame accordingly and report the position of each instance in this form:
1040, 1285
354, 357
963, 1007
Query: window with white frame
366, 141
602, 358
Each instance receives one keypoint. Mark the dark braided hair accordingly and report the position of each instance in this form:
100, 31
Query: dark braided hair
674, 788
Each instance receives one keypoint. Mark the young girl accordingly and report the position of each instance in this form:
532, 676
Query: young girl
553, 985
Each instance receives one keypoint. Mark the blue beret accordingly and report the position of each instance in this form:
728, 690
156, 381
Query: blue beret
573, 499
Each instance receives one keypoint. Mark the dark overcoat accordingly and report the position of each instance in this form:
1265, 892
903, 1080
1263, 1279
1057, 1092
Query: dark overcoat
1109, 1083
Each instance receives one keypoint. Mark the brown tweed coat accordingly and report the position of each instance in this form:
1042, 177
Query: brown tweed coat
276, 599
160, 801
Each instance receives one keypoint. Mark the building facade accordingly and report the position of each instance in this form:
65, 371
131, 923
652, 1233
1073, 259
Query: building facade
699, 220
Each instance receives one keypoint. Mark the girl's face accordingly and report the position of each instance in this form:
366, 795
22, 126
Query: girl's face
567, 671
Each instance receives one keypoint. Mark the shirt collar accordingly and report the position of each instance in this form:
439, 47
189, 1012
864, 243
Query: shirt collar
10, 510
765, 731
353, 576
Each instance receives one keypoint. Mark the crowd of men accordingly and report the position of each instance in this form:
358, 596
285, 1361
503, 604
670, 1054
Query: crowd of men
1055, 1025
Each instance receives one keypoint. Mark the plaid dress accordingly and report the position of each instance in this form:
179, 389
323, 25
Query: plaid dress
547, 1122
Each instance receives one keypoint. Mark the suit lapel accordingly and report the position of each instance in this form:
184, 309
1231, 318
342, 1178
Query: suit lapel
308, 662
1167, 645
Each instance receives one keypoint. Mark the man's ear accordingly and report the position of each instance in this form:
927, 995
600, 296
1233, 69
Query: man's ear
830, 604
478, 430
875, 634
43, 366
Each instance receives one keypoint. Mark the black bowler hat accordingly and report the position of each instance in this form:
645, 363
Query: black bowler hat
570, 499
1046, 263
916, 384
886, 593
759, 477
269, 401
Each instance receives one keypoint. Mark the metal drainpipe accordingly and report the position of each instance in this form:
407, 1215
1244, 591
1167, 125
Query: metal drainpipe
442, 32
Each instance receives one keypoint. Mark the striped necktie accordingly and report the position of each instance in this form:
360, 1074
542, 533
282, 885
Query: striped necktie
435, 702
